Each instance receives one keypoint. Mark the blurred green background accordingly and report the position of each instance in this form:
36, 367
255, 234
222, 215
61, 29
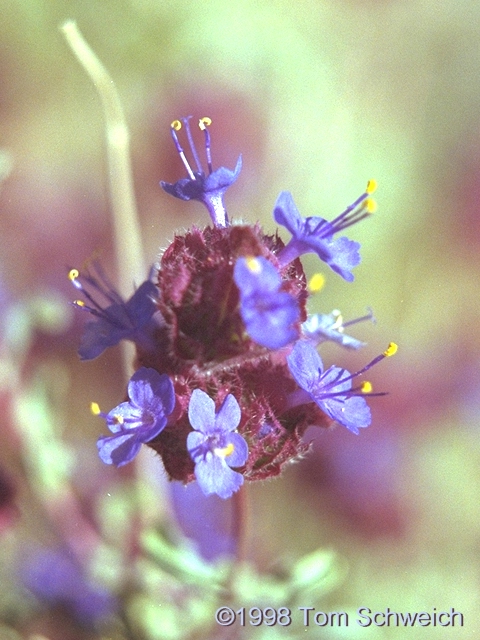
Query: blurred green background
318, 97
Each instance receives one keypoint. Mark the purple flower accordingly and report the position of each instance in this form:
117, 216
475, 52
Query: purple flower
321, 327
152, 399
213, 446
332, 390
53, 575
115, 319
206, 520
316, 235
208, 189
268, 312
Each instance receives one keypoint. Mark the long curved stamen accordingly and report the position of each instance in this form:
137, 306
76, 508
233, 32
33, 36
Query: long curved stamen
73, 276
389, 351
368, 316
101, 284
203, 124
352, 214
174, 127
320, 389
193, 149
96, 308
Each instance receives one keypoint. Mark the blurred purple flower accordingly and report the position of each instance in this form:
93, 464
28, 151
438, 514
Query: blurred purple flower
204, 519
54, 576
115, 318
152, 399
213, 446
268, 312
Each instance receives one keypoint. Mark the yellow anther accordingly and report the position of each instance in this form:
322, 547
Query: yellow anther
338, 321
371, 186
226, 451
95, 409
177, 125
317, 282
73, 274
253, 264
370, 205
79, 303
203, 123
391, 350
118, 419
366, 387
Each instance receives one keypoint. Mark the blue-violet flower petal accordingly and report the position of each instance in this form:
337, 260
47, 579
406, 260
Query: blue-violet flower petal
214, 446
268, 313
142, 418
330, 390
314, 234
114, 319
323, 327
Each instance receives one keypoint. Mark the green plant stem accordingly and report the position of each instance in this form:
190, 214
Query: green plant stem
127, 231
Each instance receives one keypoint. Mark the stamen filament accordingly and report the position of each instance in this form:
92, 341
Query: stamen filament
203, 123
390, 351
180, 150
353, 206
192, 144
369, 316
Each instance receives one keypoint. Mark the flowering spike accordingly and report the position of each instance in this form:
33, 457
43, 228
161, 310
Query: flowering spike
208, 189
227, 314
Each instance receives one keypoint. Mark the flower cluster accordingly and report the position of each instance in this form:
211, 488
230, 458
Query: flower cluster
229, 377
